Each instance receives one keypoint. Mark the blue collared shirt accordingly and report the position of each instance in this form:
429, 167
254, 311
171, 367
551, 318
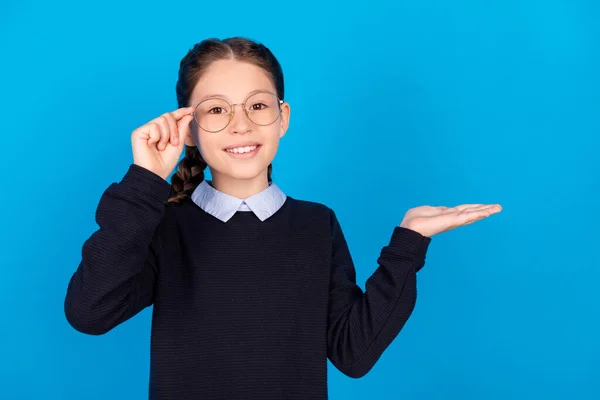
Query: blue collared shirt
223, 206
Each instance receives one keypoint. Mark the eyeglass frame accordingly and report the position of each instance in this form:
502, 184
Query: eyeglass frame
232, 112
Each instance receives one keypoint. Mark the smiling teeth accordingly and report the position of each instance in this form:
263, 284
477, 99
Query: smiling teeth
241, 149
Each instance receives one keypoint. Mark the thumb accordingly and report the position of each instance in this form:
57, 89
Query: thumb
183, 128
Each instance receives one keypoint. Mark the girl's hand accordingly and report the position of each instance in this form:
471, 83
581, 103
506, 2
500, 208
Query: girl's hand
158, 144
429, 221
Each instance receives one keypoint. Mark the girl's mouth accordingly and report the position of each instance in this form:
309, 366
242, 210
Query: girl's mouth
243, 152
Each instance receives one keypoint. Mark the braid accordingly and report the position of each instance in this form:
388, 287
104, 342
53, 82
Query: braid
189, 175
269, 172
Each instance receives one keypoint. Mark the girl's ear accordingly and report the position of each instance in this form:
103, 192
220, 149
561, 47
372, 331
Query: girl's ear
189, 138
189, 141
285, 118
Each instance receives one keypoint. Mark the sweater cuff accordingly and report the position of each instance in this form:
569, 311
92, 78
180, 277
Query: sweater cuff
146, 182
406, 240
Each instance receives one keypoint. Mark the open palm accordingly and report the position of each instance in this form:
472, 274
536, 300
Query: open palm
429, 221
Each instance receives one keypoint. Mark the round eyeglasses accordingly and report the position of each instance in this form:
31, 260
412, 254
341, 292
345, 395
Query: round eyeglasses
214, 114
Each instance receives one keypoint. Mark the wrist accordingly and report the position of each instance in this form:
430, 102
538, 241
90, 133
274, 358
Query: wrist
412, 227
160, 174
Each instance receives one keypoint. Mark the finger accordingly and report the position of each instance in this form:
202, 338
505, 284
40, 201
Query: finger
477, 217
491, 208
173, 134
153, 133
467, 208
430, 211
470, 209
462, 207
181, 112
183, 127
443, 210
477, 206
164, 132
469, 217
474, 220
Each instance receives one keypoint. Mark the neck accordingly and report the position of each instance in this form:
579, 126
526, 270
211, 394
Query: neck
240, 188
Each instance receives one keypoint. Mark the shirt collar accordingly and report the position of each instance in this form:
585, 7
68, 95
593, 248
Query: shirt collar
223, 206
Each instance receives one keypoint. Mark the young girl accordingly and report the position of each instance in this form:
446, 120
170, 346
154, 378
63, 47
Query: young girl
252, 290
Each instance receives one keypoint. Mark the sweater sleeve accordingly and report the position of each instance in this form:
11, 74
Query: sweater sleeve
115, 278
361, 325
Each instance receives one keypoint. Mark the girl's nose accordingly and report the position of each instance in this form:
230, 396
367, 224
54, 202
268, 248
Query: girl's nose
239, 121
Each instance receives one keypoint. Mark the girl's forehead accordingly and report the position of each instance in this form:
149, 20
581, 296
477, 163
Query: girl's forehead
233, 79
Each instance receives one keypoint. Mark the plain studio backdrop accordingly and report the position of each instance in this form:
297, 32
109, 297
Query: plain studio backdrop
395, 104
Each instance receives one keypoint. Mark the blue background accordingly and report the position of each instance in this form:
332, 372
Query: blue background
394, 105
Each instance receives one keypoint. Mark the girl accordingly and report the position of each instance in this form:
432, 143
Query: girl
252, 290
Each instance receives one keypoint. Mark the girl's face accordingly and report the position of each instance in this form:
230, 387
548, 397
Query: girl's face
234, 81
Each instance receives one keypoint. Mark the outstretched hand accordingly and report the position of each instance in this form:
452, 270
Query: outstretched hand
429, 221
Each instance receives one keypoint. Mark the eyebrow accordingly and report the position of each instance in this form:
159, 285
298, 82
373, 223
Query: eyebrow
225, 97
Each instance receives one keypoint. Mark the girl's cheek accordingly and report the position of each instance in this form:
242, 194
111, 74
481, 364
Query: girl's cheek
210, 150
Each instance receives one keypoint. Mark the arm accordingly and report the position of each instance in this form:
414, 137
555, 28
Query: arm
115, 278
362, 325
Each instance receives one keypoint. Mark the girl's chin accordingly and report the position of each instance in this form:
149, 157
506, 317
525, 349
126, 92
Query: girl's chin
241, 172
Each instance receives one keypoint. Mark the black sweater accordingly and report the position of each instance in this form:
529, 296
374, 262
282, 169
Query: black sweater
244, 309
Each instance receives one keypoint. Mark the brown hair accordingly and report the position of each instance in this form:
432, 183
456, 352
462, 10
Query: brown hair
191, 168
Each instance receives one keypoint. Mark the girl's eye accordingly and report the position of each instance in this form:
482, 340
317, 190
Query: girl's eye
258, 107
215, 110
